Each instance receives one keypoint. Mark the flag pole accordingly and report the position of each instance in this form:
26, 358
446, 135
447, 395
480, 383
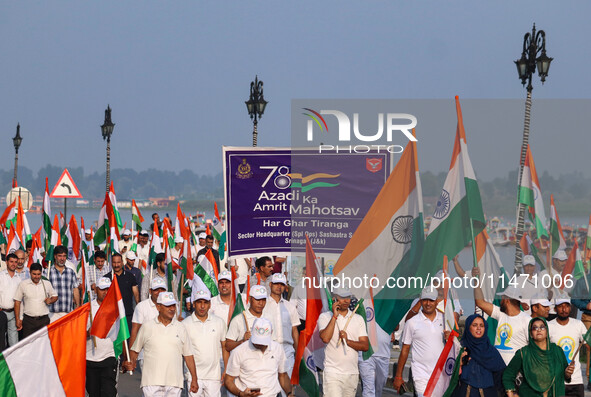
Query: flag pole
127, 352
348, 321
473, 244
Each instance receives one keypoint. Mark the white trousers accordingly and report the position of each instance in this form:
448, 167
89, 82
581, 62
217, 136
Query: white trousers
161, 391
339, 385
373, 373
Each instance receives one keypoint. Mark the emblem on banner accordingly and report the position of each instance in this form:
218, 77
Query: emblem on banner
373, 165
244, 171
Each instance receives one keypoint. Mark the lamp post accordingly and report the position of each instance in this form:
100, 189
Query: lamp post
534, 43
107, 130
17, 140
256, 106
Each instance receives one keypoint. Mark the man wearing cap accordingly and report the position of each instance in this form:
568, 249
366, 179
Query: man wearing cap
547, 275
512, 328
207, 333
239, 329
568, 334
36, 294
202, 236
101, 364
9, 282
284, 317
159, 272
96, 272
532, 286
540, 306
209, 246
143, 250
164, 341
424, 334
146, 311
220, 304
125, 243
175, 252
130, 259
341, 372
259, 365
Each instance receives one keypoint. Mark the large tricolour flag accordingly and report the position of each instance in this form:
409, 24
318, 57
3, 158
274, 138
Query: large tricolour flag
136, 215
492, 271
556, 234
110, 319
390, 238
531, 195
310, 347
52, 361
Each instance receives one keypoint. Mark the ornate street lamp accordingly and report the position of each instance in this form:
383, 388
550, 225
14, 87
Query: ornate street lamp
17, 140
107, 130
256, 105
534, 43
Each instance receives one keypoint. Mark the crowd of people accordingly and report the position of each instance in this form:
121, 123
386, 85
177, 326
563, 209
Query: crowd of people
192, 341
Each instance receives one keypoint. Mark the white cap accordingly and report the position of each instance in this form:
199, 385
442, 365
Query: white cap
131, 256
201, 294
561, 301
510, 292
88, 231
560, 255
529, 260
342, 292
202, 235
144, 232
166, 299
158, 283
261, 332
429, 293
225, 275
258, 292
178, 239
103, 283
279, 278
126, 232
134, 233
540, 299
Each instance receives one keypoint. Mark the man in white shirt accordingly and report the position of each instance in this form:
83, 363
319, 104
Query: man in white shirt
143, 251
220, 304
164, 341
9, 282
257, 368
101, 364
424, 334
540, 306
125, 243
207, 333
36, 295
532, 287
549, 276
512, 327
239, 329
568, 334
175, 252
21, 270
341, 372
284, 316
146, 311
159, 272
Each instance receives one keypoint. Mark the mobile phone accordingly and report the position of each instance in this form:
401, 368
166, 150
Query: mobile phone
256, 390
403, 389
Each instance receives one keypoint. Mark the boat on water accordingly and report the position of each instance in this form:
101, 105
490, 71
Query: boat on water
499, 234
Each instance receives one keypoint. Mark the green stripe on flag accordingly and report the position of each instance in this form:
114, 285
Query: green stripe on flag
7, 388
238, 308
208, 281
361, 311
121, 336
308, 381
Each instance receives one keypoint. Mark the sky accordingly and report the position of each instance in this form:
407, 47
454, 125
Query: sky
176, 75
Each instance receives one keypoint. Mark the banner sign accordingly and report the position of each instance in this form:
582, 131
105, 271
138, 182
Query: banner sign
275, 195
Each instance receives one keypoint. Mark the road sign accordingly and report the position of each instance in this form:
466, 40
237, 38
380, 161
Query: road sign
65, 187
24, 194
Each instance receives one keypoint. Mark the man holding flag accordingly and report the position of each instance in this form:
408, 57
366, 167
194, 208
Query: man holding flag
344, 334
424, 334
101, 363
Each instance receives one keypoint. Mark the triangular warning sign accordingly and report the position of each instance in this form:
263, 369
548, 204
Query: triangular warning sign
65, 187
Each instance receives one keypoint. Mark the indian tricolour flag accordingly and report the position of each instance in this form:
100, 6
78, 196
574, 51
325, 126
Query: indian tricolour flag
556, 234
55, 239
110, 319
574, 267
310, 348
531, 195
52, 361
46, 234
136, 215
219, 232
114, 208
588, 242
206, 271
390, 238
102, 230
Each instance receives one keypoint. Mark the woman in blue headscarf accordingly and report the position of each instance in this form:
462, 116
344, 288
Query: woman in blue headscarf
480, 365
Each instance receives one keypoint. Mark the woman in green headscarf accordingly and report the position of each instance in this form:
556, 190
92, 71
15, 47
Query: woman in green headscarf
543, 365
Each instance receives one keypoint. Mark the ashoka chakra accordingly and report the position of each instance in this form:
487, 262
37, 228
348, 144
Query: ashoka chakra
402, 229
442, 208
